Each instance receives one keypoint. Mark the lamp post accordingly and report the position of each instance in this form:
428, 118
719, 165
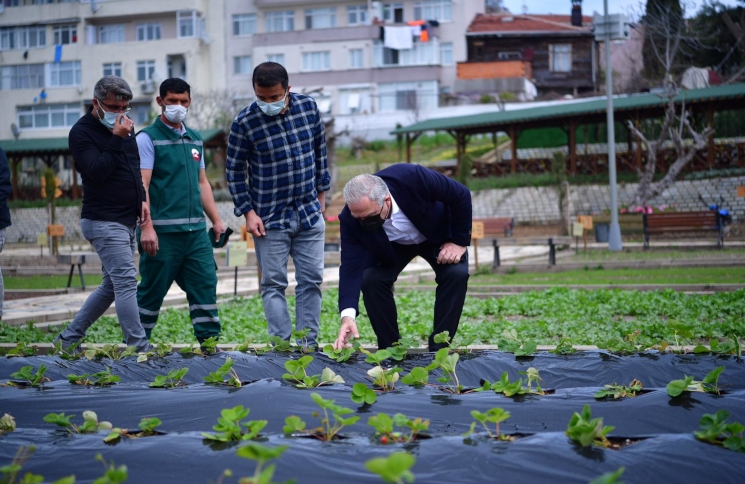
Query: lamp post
614, 238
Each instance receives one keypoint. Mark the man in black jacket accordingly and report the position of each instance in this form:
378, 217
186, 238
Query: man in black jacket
5, 188
105, 152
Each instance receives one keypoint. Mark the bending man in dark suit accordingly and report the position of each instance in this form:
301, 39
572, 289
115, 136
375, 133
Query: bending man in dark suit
391, 217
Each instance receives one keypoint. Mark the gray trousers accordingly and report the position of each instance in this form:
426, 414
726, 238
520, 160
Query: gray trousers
115, 245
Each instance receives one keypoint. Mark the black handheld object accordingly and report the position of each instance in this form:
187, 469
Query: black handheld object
223, 238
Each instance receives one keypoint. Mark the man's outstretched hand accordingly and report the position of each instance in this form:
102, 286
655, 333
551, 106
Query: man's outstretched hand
347, 330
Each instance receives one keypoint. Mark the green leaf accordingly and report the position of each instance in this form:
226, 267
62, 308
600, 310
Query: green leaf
394, 468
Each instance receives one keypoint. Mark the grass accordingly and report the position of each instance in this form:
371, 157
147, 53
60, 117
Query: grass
584, 316
596, 274
49, 282
596, 255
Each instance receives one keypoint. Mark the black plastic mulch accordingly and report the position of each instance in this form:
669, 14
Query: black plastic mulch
668, 452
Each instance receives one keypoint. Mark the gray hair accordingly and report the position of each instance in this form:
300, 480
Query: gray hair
361, 186
112, 85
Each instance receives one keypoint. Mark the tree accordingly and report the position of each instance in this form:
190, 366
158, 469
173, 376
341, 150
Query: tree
663, 21
216, 109
671, 39
494, 6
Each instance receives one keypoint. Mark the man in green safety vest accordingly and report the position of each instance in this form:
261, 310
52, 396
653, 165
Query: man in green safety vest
176, 246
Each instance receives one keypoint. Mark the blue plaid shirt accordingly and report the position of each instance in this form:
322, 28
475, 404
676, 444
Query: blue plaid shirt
278, 164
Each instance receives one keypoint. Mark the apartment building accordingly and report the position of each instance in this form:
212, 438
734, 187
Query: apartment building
52, 52
336, 49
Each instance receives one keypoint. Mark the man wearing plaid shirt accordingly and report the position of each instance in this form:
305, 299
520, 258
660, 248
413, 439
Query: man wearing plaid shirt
277, 172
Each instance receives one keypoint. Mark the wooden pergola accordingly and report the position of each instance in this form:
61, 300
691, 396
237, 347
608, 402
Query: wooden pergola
570, 115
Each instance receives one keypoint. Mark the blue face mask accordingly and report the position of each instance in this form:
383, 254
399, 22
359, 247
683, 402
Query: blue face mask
109, 119
272, 109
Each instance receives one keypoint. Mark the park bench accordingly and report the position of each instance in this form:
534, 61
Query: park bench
705, 221
76, 259
497, 226
552, 242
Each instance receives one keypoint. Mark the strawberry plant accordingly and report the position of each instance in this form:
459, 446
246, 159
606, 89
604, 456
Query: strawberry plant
512, 343
218, 376
620, 391
362, 394
90, 424
495, 416
715, 430
191, 349
730, 346
230, 428
418, 377
609, 477
587, 431
29, 377
171, 380
329, 429
408, 431
72, 352
395, 468
462, 344
102, 378
447, 362
384, 378
261, 454
112, 474
7, 423
400, 348
110, 351
564, 347
147, 426
9, 473
340, 355
710, 384
510, 388
209, 345
21, 350
298, 374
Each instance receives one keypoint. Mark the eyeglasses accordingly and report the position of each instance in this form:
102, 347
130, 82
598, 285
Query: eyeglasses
115, 109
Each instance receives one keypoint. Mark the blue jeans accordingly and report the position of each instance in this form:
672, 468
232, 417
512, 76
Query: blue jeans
306, 249
2, 284
115, 245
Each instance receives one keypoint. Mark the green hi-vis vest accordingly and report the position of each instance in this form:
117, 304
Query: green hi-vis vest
175, 203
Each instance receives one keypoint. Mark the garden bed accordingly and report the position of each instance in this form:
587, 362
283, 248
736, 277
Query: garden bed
662, 446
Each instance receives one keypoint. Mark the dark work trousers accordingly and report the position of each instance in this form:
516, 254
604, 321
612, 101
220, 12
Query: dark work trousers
377, 292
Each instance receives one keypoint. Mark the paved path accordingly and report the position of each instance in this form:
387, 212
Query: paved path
45, 309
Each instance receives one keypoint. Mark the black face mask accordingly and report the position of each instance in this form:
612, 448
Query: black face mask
373, 222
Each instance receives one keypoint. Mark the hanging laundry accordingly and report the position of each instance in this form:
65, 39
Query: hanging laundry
433, 23
58, 53
416, 30
398, 38
424, 35
414, 23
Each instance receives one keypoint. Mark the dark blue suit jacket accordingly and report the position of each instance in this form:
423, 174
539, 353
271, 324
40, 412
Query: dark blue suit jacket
439, 207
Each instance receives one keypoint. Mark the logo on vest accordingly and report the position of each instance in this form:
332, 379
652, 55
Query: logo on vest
195, 154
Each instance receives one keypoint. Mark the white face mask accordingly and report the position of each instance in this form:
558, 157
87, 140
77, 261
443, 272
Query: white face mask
272, 109
175, 113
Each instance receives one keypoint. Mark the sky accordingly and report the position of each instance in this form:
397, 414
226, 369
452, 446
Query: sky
588, 6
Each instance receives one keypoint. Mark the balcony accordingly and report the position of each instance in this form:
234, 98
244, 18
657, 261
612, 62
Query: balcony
498, 69
334, 34
295, 3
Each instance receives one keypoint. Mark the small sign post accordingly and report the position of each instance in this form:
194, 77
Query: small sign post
55, 231
586, 221
41, 241
578, 230
477, 232
236, 257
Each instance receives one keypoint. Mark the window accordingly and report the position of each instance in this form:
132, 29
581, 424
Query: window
446, 53
22, 37
393, 12
189, 23
421, 54
11, 3
26, 76
63, 74
244, 24
560, 56
140, 114
65, 34
357, 15
434, 10
355, 59
112, 69
279, 21
320, 18
509, 55
397, 96
145, 70
316, 61
111, 34
355, 100
45, 116
149, 31
242, 65
278, 58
